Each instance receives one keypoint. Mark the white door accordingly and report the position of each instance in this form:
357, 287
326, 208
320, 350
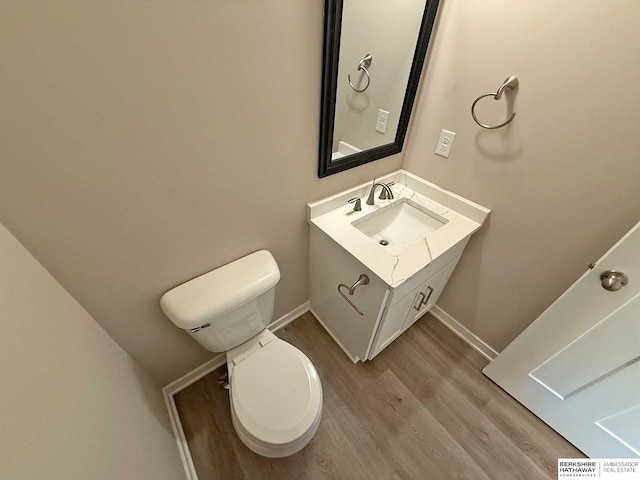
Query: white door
577, 365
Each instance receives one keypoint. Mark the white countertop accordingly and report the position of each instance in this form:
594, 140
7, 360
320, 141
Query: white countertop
334, 216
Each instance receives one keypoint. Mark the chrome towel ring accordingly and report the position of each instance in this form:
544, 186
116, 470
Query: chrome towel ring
362, 280
509, 84
363, 64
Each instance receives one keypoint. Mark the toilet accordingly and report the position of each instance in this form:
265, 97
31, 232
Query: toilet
274, 389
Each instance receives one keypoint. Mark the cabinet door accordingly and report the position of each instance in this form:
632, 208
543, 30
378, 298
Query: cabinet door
404, 313
428, 295
392, 322
331, 266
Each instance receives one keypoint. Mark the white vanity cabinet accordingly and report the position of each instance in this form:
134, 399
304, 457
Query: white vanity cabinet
378, 266
386, 312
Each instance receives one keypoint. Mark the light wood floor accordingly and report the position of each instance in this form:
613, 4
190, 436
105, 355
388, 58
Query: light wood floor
420, 410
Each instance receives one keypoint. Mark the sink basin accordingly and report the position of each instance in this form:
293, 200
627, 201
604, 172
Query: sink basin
399, 225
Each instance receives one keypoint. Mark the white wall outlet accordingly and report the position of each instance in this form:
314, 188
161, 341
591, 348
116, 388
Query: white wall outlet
381, 123
445, 142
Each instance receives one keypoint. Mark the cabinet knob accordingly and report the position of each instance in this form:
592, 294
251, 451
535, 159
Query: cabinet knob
613, 280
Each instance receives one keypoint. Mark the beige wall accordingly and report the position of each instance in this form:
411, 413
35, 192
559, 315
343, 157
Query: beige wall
563, 180
144, 143
74, 404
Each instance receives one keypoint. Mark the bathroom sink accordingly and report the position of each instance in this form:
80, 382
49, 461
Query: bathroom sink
399, 225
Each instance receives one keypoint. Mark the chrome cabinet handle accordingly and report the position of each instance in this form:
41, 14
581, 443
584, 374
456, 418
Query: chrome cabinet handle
612, 280
419, 305
362, 280
424, 300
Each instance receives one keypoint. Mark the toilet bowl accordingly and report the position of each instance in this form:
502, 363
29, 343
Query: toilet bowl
276, 396
275, 391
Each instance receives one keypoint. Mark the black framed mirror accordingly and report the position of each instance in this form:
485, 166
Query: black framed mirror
373, 58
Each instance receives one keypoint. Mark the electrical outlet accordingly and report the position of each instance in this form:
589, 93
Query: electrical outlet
381, 122
445, 142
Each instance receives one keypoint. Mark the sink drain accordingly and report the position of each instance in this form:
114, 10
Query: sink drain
384, 242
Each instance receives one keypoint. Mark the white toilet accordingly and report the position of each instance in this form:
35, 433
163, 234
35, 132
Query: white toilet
275, 391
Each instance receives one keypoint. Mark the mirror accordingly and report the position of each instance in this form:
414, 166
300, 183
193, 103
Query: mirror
373, 56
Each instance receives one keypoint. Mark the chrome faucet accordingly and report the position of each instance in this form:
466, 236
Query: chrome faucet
386, 193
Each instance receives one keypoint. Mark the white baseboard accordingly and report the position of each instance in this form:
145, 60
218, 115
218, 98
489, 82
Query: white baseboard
196, 374
464, 333
289, 317
181, 439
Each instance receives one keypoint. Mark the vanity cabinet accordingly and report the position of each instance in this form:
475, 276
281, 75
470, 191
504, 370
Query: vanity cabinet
376, 268
367, 321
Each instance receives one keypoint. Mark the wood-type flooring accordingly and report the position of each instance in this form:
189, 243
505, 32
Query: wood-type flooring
420, 410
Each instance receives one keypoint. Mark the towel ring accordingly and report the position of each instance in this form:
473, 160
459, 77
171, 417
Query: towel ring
362, 280
509, 84
363, 64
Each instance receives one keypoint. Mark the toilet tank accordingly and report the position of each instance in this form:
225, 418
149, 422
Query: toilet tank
227, 306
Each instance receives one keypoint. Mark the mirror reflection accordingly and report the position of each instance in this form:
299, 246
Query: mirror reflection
373, 56
381, 35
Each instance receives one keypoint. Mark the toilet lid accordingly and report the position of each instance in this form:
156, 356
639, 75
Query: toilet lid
276, 393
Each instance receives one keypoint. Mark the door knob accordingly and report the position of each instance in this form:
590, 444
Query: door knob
613, 280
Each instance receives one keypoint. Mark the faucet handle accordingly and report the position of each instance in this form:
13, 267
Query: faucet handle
383, 193
358, 204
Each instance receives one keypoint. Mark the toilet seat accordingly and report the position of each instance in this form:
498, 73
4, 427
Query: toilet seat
276, 397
